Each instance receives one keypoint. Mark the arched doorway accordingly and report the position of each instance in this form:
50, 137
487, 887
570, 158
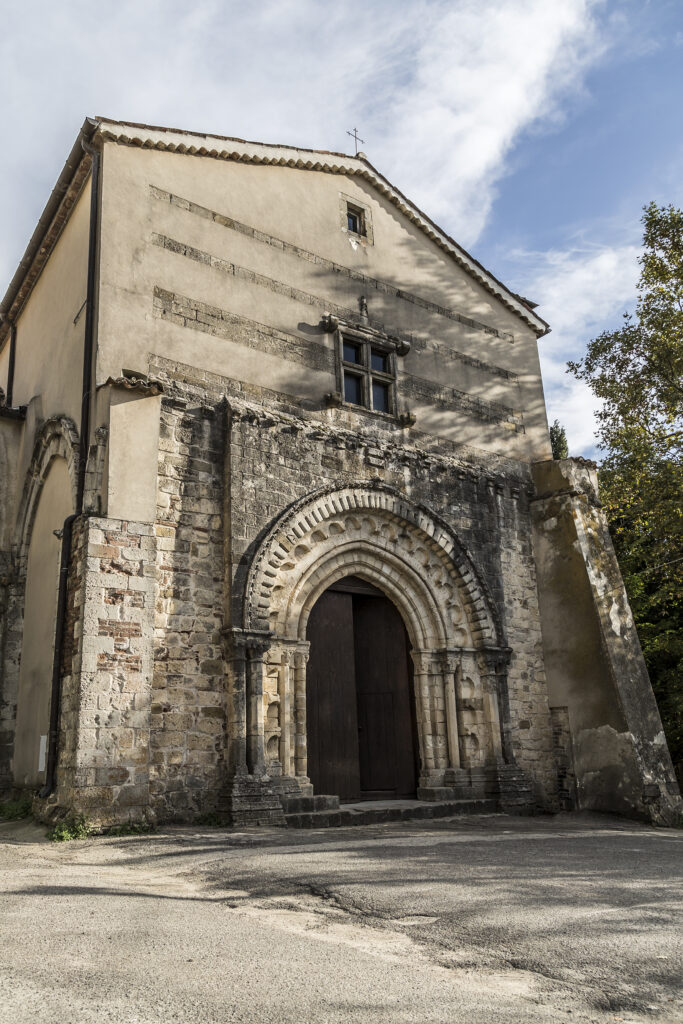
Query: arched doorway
54, 504
360, 705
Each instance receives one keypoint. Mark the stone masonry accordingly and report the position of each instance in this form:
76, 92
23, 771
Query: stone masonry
287, 389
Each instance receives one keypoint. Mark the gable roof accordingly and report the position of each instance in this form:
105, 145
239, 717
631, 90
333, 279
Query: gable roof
220, 147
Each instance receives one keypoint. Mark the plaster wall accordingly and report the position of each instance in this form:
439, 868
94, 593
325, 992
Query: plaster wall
33, 710
49, 348
593, 661
49, 343
132, 456
262, 282
10, 440
4, 367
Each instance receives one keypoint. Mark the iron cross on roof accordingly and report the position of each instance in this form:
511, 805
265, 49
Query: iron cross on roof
356, 138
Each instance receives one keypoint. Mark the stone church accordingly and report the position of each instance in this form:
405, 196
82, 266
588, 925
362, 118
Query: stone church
280, 527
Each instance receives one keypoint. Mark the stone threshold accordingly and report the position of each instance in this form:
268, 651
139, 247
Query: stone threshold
377, 812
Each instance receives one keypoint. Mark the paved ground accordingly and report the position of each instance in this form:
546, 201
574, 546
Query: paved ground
482, 920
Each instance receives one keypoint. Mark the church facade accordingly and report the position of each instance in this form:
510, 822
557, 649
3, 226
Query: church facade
279, 517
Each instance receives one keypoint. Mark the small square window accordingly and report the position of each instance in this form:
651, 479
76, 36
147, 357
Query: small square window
380, 397
353, 389
352, 353
355, 219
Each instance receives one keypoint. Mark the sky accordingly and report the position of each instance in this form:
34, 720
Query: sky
531, 131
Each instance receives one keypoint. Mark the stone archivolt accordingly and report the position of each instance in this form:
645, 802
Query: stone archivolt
458, 651
407, 550
58, 438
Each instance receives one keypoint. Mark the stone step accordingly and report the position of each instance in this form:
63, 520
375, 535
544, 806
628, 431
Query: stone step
374, 814
309, 804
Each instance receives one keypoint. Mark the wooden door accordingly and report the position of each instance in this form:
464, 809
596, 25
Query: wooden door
331, 718
360, 707
384, 698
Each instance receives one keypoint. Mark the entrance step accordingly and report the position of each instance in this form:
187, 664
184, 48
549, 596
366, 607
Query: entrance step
308, 804
377, 812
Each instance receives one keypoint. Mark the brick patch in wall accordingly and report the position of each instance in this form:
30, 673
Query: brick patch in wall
104, 754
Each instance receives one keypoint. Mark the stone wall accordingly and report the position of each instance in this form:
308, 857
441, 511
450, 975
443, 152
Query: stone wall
564, 758
103, 768
188, 720
276, 453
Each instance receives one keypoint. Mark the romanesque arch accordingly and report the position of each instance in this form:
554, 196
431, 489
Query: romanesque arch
390, 528
55, 447
57, 438
415, 558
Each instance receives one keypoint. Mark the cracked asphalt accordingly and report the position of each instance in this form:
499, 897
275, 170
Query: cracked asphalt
485, 920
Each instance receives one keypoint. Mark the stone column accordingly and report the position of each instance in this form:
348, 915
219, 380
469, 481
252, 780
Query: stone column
451, 669
300, 744
286, 756
494, 680
437, 691
250, 798
236, 657
425, 726
256, 755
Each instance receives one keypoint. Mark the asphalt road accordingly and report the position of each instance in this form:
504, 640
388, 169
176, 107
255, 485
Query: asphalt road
482, 920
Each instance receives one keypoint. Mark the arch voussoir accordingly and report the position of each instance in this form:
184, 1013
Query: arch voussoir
378, 534
57, 438
392, 524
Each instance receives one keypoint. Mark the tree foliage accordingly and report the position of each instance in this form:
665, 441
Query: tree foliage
637, 372
558, 441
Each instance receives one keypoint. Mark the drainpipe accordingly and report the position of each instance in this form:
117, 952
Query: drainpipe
90, 304
56, 695
67, 532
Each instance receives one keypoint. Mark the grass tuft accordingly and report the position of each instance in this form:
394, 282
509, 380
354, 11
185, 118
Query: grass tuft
77, 827
14, 810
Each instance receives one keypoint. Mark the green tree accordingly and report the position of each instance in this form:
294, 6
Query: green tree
558, 441
637, 373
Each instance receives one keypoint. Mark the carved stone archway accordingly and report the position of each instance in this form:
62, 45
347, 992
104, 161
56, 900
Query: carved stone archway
376, 533
57, 438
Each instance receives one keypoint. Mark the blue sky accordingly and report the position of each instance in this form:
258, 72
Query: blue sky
533, 131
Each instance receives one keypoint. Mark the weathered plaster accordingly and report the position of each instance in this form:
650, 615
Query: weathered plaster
596, 669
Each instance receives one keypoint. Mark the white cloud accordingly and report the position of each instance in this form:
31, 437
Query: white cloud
440, 89
483, 72
581, 292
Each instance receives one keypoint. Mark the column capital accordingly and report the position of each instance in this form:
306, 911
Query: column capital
451, 658
301, 653
422, 658
241, 641
496, 659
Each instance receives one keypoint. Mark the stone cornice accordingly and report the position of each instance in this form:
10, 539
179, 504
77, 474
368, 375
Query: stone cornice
142, 385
